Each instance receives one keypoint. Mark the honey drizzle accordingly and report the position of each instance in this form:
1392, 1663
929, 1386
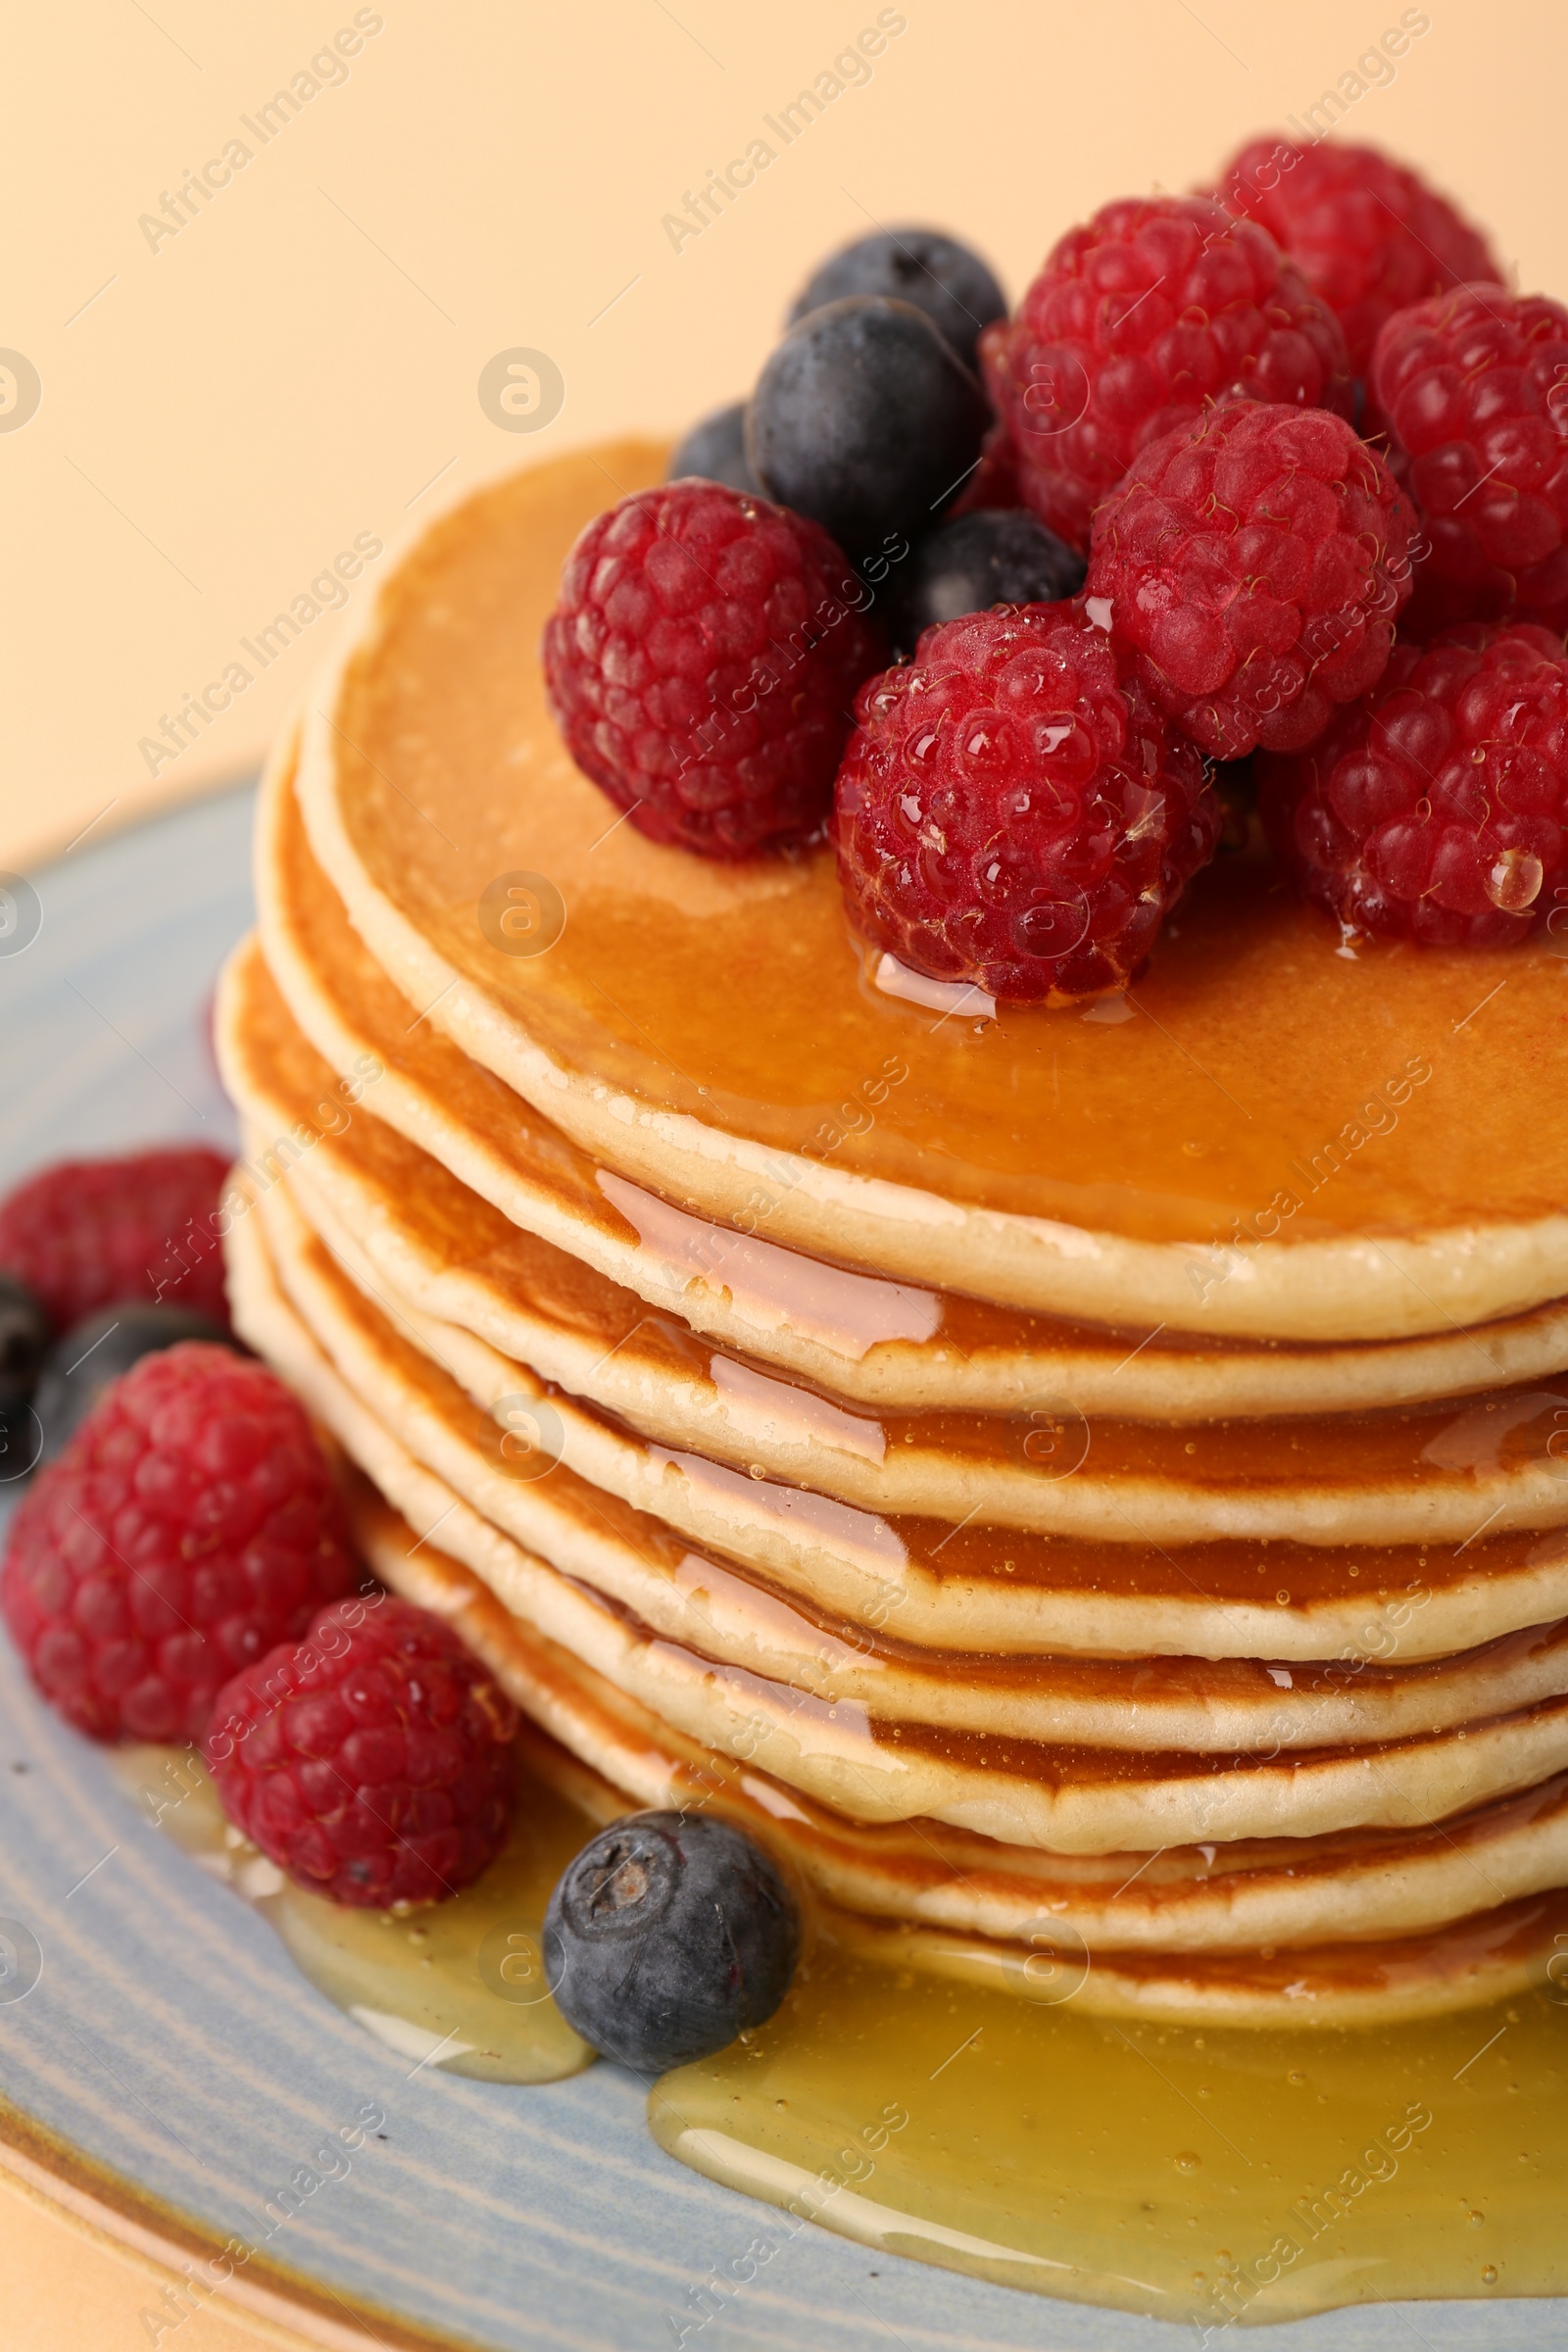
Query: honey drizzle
458, 1984
1214, 2176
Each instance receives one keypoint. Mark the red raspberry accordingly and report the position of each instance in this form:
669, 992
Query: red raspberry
190, 1524
702, 664
375, 1761
1438, 808
1252, 566
90, 1233
1473, 390
1008, 814
1160, 307
1367, 235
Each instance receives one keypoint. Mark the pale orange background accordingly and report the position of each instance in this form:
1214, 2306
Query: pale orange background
228, 412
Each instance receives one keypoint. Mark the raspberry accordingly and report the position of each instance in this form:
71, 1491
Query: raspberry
1252, 566
1438, 808
1473, 390
1157, 307
1008, 812
1367, 235
189, 1525
375, 1761
89, 1232
702, 664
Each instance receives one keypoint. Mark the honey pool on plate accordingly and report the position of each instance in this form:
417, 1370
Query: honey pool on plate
1214, 2176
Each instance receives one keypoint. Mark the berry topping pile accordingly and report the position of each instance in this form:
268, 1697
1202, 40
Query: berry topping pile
1141, 319
1253, 565
668, 1935
702, 664
1368, 235
190, 1525
1203, 494
1437, 810
1010, 814
89, 1232
1472, 391
374, 1761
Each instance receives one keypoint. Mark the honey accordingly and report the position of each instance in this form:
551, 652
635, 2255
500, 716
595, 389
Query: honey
458, 1984
1214, 2176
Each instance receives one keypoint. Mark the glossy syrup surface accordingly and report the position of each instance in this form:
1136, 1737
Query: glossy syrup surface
1213, 2177
458, 1984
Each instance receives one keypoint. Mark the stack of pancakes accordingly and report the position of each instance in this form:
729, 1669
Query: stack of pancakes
1089, 1489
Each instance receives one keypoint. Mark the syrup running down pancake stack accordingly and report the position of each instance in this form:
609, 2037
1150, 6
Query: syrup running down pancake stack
1089, 1488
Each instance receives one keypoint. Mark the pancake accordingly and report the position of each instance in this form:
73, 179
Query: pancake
1280, 1138
859, 1337
1436, 1473
1196, 1704
1477, 1961
1073, 1799
1421, 1921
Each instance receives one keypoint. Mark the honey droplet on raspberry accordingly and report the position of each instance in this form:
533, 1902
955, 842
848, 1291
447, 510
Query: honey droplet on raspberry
1514, 882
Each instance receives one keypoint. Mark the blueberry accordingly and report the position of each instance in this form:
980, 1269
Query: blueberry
23, 1341
717, 449
668, 1935
940, 276
997, 555
81, 1365
865, 418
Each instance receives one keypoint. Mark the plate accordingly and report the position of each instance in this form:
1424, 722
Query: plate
168, 2076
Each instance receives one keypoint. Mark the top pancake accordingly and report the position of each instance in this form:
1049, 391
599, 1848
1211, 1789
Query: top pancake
1271, 1138
859, 1335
